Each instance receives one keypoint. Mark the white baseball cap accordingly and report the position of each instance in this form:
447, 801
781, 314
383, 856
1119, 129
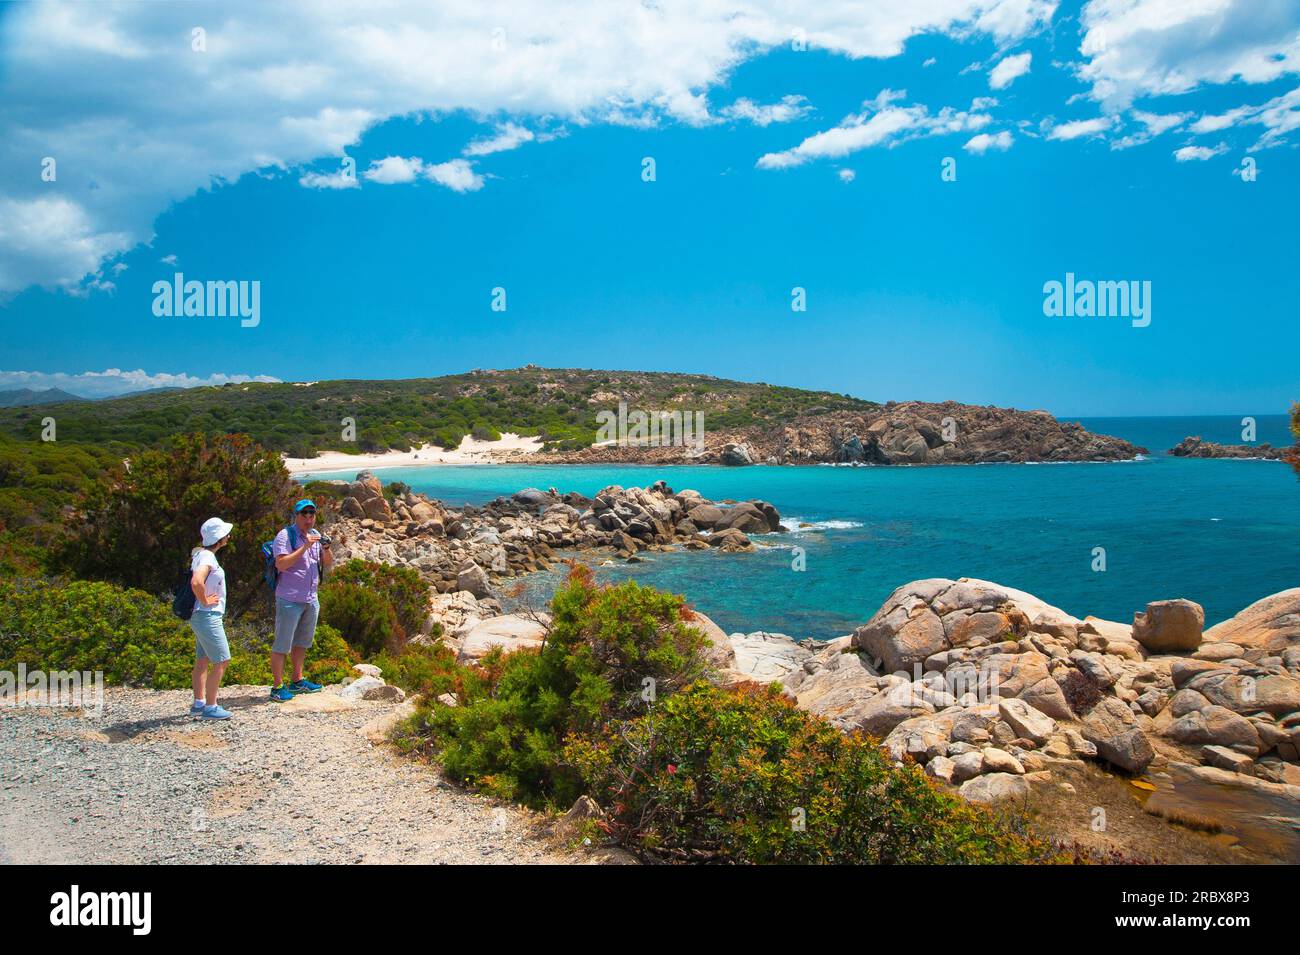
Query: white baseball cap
213, 530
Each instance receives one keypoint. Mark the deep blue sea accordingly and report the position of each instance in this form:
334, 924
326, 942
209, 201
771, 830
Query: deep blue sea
1222, 533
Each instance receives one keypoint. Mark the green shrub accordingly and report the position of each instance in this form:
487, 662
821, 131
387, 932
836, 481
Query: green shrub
38, 479
396, 489
365, 619
133, 637
744, 776
429, 669
137, 526
402, 587
604, 643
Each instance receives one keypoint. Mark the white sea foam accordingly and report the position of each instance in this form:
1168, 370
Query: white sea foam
799, 525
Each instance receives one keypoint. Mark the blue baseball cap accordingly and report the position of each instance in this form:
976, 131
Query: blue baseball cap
305, 502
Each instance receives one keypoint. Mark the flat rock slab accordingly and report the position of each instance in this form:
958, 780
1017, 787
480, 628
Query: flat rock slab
994, 787
509, 631
766, 657
326, 701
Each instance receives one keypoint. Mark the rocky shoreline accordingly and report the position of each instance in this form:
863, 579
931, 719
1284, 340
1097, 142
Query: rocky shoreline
912, 432
991, 689
1194, 447
470, 548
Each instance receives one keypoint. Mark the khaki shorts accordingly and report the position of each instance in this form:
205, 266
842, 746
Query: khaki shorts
295, 624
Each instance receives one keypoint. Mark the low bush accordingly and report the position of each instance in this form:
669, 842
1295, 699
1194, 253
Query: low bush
133, 637
429, 670
365, 619
607, 649
744, 776
401, 587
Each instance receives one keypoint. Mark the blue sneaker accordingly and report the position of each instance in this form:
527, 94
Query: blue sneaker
197, 707
304, 686
280, 694
216, 712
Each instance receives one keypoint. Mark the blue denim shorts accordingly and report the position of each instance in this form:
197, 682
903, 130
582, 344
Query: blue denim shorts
295, 624
209, 636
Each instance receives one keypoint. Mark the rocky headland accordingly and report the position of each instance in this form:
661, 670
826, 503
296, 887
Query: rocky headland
466, 549
1194, 447
912, 432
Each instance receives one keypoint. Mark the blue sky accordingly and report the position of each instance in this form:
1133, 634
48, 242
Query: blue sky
775, 168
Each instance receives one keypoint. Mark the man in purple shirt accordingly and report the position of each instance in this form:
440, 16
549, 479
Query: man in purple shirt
299, 557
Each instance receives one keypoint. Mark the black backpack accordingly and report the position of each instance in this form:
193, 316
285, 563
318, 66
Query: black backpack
183, 599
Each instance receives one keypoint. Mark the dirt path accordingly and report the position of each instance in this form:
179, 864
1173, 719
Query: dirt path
298, 782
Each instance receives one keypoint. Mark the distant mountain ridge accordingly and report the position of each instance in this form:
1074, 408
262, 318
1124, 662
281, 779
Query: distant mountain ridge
744, 422
20, 397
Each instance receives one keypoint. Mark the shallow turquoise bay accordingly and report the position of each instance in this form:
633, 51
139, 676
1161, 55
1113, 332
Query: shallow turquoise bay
1223, 533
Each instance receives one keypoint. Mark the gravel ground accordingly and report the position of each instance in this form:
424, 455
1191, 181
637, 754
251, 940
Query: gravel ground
297, 782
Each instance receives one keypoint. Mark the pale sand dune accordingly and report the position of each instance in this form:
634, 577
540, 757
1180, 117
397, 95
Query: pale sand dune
471, 451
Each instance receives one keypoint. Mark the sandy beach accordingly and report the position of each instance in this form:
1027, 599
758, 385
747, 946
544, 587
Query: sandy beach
511, 447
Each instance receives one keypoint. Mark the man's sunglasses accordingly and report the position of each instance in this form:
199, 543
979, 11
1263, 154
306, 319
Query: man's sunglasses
310, 511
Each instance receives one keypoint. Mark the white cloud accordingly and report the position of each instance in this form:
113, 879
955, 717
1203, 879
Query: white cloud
115, 381
1081, 127
50, 240
333, 180
983, 142
847, 175
115, 93
509, 136
1154, 124
789, 108
393, 169
881, 123
1279, 117
1157, 123
1213, 124
1008, 69
168, 259
930, 61
1016, 18
457, 174
1188, 153
1137, 48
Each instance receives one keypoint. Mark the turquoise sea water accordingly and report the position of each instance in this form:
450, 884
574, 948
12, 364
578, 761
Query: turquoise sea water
1223, 533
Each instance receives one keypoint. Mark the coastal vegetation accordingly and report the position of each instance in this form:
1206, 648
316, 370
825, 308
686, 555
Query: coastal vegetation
614, 705
607, 649
39, 483
745, 776
375, 606
558, 405
137, 523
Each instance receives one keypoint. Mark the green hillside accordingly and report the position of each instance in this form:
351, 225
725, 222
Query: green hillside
560, 405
